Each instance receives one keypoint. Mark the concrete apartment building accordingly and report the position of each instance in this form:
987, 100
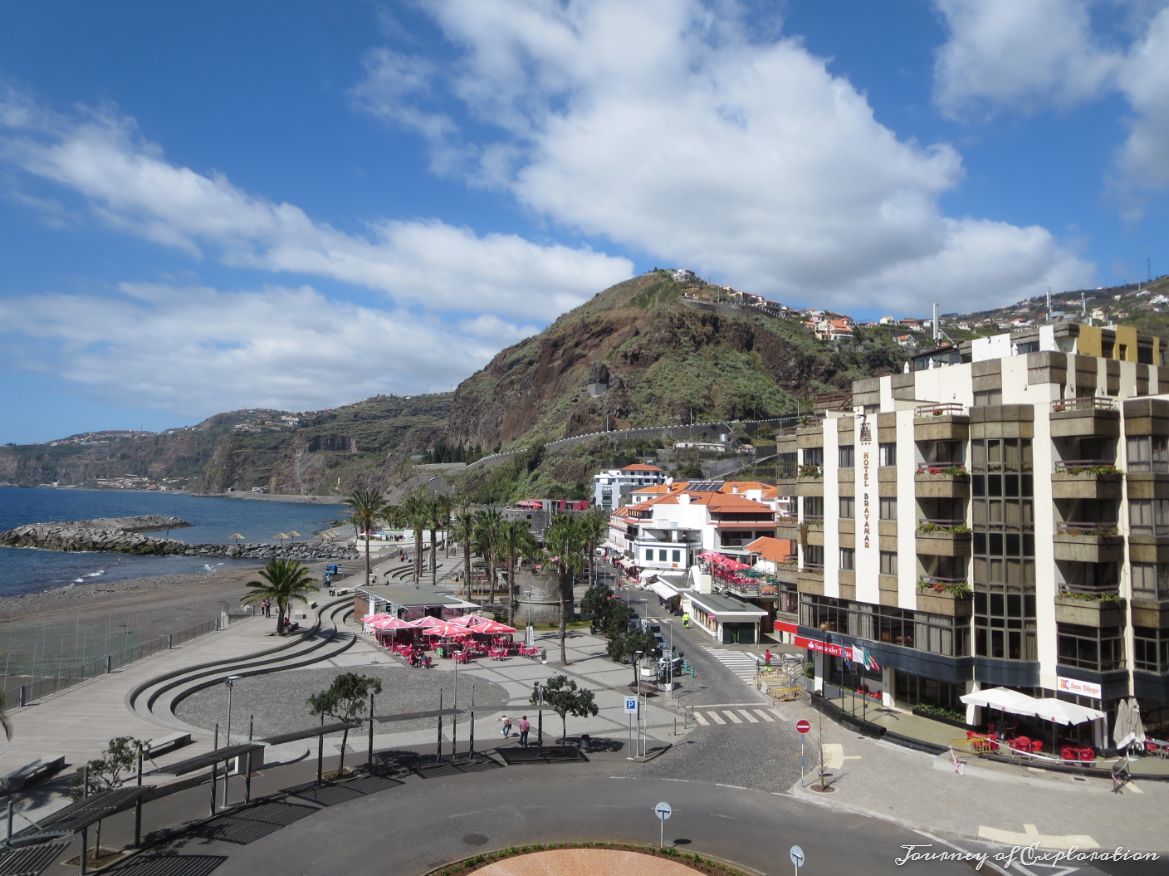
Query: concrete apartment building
612, 488
996, 515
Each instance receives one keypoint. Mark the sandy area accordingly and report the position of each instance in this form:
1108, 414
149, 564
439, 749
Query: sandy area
585, 862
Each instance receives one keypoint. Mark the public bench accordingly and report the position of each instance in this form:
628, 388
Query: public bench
164, 744
31, 773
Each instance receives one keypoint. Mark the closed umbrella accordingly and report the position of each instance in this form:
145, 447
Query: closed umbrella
238, 536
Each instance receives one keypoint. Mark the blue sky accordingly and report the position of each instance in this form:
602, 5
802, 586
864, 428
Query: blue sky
213, 206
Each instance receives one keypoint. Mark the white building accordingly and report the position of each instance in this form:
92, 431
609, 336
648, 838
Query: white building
611, 489
996, 516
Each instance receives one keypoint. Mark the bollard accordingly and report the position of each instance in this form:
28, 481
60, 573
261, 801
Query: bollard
109, 663
170, 641
20, 696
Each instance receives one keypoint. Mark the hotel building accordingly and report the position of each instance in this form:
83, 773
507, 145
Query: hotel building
996, 515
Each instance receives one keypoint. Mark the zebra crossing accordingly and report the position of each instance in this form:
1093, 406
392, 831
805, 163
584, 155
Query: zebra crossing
726, 715
742, 663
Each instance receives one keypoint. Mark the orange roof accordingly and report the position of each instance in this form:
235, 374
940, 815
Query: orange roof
777, 550
641, 466
651, 490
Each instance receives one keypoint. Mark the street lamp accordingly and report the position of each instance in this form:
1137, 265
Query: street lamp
529, 635
229, 682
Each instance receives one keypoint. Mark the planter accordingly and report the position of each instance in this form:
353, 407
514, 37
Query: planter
953, 722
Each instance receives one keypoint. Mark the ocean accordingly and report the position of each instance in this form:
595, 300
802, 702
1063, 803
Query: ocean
213, 521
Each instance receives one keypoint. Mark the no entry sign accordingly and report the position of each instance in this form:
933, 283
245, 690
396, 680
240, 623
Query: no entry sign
803, 726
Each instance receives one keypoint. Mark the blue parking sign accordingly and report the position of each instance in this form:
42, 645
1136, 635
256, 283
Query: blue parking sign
631, 705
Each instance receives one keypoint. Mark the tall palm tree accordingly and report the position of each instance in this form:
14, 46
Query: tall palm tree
463, 532
5, 724
487, 525
416, 514
282, 582
594, 527
368, 507
440, 516
515, 541
564, 540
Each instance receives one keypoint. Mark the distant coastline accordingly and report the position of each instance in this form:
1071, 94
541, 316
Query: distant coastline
276, 497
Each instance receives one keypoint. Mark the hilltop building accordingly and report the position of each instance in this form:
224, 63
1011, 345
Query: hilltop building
996, 516
612, 488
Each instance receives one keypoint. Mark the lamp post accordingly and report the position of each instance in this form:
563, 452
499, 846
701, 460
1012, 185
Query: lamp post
229, 682
529, 633
670, 660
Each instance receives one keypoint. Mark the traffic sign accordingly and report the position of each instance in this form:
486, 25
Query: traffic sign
797, 856
663, 810
803, 727
631, 705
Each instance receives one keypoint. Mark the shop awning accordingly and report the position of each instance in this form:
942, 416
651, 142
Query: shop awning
663, 590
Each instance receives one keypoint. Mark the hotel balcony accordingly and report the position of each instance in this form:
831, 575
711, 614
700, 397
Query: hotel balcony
1087, 417
948, 596
941, 481
810, 579
1088, 542
787, 573
812, 530
810, 480
941, 422
1097, 480
943, 538
1089, 608
787, 526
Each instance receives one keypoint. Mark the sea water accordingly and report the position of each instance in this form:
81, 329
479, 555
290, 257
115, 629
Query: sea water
213, 519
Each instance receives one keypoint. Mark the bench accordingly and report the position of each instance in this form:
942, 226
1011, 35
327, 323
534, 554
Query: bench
164, 744
30, 774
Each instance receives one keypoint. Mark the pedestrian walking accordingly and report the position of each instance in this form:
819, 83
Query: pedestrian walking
525, 726
767, 658
505, 726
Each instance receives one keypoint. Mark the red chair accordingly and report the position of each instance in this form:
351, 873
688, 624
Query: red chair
1022, 743
1069, 752
1087, 755
1036, 746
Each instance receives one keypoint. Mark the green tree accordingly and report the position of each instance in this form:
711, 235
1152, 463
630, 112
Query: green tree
564, 698
440, 517
564, 541
463, 532
515, 541
488, 523
595, 528
368, 507
344, 700
283, 582
105, 773
416, 515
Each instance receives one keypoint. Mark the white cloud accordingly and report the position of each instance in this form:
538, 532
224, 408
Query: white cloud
661, 125
1007, 55
193, 350
128, 183
1023, 54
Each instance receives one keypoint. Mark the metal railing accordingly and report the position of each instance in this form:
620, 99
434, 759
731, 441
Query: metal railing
947, 409
1086, 529
1086, 466
43, 678
1083, 404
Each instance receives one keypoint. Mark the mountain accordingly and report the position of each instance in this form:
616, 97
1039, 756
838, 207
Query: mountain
660, 349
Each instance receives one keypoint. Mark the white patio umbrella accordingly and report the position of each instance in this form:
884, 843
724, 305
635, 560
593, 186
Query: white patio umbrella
1062, 712
1129, 729
1003, 699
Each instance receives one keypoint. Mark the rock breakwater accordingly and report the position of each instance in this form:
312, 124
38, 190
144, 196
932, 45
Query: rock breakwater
125, 535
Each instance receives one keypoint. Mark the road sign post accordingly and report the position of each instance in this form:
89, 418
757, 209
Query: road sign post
662, 811
797, 857
630, 711
802, 727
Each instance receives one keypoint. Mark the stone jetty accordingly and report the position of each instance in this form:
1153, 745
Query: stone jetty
125, 535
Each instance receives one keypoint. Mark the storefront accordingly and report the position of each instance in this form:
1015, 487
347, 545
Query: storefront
730, 621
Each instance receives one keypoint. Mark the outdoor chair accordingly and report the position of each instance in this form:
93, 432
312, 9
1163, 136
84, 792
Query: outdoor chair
1036, 746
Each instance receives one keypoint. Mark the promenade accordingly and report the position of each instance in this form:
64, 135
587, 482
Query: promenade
984, 803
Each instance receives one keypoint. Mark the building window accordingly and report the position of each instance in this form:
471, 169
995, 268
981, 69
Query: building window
1149, 516
846, 456
662, 555
887, 507
1150, 649
1004, 625
987, 397
1150, 581
1100, 650
887, 454
814, 508
676, 556
847, 559
847, 507
1148, 453
649, 555
888, 562
814, 557
813, 456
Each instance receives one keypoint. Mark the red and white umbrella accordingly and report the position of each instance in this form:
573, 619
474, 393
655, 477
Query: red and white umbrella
424, 622
446, 631
493, 628
389, 622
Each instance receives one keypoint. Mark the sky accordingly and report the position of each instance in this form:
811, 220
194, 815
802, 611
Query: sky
297, 205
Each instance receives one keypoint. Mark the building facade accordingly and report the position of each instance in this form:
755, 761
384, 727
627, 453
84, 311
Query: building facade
612, 488
997, 515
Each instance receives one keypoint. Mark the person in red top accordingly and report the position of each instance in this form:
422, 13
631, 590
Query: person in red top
524, 725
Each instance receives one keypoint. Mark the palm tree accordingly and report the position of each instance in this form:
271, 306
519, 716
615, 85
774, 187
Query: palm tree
487, 526
515, 541
463, 531
564, 539
368, 507
416, 515
594, 527
5, 724
440, 516
283, 582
